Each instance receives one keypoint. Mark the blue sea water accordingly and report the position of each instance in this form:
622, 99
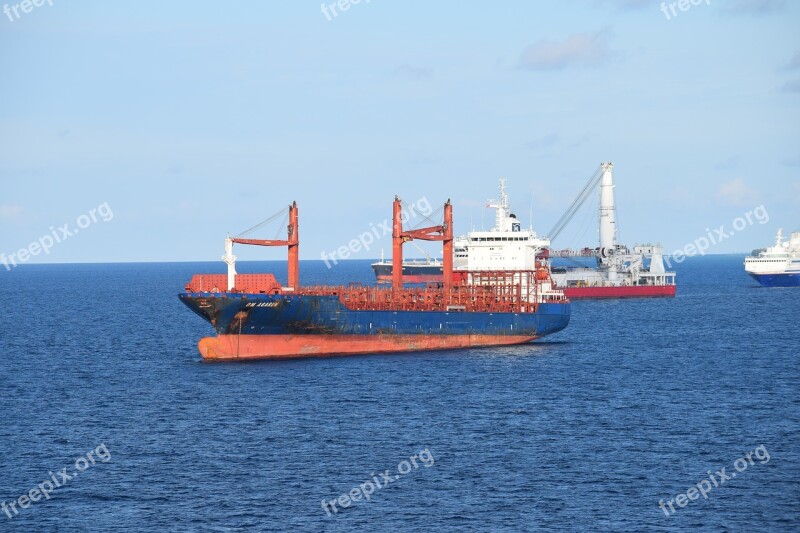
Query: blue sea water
635, 402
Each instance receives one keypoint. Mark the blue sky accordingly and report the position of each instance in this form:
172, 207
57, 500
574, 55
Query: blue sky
194, 119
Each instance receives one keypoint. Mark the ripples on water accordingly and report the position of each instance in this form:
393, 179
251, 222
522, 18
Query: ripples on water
634, 402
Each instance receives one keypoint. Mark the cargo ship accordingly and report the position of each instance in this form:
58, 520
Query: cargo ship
777, 266
428, 270
254, 317
618, 272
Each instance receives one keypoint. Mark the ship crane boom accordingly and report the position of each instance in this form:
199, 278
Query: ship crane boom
569, 214
292, 242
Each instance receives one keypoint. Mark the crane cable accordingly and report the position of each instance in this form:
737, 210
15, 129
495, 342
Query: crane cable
576, 204
284, 211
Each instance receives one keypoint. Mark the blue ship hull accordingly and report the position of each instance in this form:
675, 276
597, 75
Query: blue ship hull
260, 326
777, 280
272, 314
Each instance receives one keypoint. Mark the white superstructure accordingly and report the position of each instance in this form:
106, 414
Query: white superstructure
507, 246
782, 258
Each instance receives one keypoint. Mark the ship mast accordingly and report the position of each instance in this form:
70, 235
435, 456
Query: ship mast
230, 260
501, 208
779, 239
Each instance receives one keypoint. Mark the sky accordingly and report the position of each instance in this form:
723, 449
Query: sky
155, 129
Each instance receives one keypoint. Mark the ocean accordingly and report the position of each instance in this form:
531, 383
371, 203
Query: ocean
643, 415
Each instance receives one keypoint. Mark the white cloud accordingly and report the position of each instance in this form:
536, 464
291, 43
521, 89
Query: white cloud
577, 50
10, 211
736, 192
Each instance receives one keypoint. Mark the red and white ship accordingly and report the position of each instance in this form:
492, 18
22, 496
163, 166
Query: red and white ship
619, 272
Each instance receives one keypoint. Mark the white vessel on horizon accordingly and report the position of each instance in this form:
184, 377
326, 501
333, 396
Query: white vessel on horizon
778, 265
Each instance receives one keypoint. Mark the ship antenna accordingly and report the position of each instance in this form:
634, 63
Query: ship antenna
530, 215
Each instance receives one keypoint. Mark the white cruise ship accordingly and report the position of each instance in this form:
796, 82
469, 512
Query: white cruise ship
777, 266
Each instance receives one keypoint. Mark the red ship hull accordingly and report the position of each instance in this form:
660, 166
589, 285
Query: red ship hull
245, 347
633, 291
